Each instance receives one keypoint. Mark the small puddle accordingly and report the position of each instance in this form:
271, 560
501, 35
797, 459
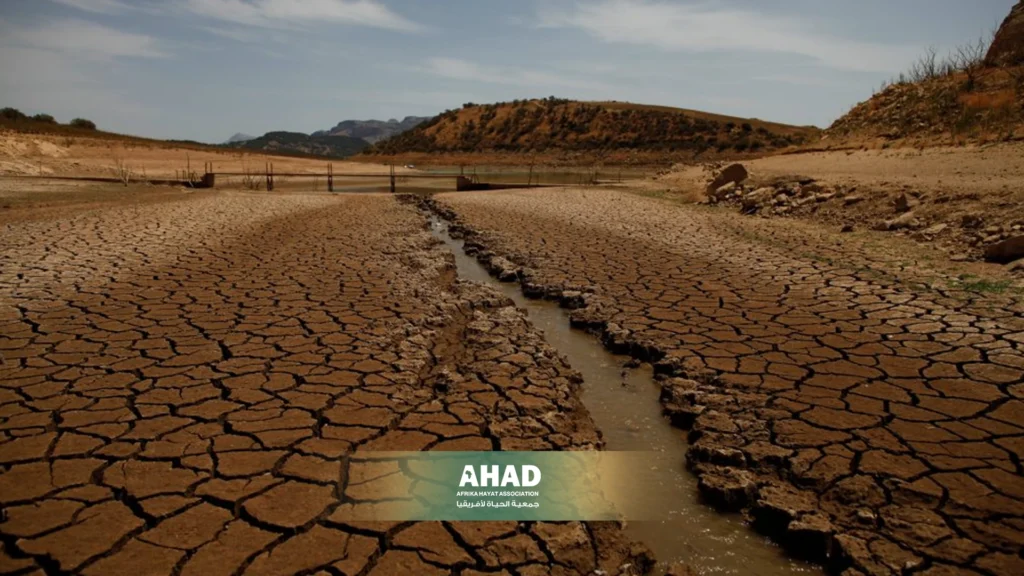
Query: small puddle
624, 404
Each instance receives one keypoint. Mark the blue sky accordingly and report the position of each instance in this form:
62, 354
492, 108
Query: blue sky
205, 69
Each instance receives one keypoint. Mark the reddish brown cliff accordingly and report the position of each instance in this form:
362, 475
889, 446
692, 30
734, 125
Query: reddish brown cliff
1008, 45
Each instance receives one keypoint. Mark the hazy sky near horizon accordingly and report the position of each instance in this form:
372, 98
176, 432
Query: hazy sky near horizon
205, 69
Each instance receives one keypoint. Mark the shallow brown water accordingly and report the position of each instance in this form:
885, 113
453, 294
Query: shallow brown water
625, 407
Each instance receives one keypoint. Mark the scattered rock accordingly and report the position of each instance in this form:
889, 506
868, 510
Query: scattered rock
905, 203
902, 222
722, 192
734, 173
1006, 251
971, 221
931, 232
754, 200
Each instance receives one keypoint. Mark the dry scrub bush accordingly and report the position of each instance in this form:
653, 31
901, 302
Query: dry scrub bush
967, 59
122, 171
251, 180
998, 100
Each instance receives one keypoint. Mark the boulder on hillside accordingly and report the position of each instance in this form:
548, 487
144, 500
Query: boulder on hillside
734, 173
1008, 46
1006, 251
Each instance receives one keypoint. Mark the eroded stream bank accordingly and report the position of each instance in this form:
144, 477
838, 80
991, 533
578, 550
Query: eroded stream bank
624, 403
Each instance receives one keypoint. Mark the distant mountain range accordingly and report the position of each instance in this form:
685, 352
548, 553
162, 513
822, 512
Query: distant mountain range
373, 131
304, 144
346, 139
239, 137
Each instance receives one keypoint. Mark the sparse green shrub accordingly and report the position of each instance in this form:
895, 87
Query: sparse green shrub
44, 118
11, 114
83, 124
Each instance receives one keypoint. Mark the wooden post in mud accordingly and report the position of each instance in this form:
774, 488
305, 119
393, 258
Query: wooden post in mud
270, 177
209, 178
392, 178
330, 177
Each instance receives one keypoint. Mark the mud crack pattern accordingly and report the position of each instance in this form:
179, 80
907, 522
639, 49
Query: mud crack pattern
874, 428
182, 382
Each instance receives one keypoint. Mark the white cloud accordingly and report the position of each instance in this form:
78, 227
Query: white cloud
291, 13
458, 69
82, 39
96, 6
712, 27
56, 83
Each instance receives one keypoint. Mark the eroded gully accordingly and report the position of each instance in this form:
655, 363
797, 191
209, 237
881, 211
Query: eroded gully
625, 406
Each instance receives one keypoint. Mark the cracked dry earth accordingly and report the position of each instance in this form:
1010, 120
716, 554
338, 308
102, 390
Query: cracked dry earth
875, 429
182, 382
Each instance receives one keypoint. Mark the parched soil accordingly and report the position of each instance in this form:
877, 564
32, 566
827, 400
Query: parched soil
182, 380
871, 424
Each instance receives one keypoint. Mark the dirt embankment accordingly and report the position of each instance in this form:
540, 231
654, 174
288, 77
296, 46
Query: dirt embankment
960, 200
24, 154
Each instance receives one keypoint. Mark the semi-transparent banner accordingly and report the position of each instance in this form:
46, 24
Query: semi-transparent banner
551, 486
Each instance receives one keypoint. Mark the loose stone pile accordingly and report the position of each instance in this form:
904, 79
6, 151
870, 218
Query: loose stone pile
731, 185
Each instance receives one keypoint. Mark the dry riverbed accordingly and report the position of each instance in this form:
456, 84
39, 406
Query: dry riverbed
860, 416
183, 377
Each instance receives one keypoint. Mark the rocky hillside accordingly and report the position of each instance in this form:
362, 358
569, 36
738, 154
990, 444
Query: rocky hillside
373, 131
1008, 45
975, 93
305, 144
551, 124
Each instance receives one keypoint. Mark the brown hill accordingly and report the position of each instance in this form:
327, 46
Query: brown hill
1008, 45
554, 125
975, 94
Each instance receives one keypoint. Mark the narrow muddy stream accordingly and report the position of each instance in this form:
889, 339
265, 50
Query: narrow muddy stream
624, 405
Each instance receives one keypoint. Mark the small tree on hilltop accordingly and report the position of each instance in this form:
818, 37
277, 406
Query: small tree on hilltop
83, 124
44, 118
11, 114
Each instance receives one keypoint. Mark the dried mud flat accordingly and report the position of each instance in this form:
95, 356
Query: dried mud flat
873, 427
182, 381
